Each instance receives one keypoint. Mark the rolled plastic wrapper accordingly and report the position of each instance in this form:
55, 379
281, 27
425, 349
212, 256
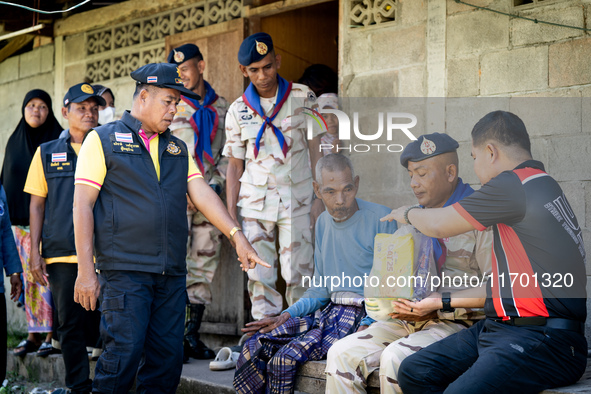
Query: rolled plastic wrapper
403, 265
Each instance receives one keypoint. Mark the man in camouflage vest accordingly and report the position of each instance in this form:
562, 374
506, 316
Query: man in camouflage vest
432, 163
269, 175
200, 124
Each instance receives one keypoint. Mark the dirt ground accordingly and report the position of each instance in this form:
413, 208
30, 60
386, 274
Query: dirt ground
19, 385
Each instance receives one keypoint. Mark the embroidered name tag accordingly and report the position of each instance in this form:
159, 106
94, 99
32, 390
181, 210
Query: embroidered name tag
123, 143
126, 147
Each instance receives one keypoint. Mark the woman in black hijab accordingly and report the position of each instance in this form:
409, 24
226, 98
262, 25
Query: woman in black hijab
42, 126
38, 125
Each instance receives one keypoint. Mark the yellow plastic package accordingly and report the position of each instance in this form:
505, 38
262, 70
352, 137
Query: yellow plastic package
403, 265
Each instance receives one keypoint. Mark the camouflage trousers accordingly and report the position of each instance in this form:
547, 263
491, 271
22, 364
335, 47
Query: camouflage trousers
203, 255
383, 345
295, 256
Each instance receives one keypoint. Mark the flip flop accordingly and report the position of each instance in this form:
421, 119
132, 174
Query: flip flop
26, 346
45, 349
225, 359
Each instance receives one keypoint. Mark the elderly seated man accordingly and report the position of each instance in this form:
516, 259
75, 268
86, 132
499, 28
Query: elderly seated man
343, 253
432, 164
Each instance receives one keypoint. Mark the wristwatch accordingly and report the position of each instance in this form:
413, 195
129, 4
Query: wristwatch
446, 300
407, 210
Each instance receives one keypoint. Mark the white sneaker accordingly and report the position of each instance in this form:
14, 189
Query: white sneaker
225, 359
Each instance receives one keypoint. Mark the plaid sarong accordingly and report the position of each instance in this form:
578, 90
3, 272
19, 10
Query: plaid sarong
269, 362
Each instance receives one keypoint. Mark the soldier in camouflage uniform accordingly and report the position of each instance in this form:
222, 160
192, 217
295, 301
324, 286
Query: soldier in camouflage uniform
269, 175
200, 124
432, 163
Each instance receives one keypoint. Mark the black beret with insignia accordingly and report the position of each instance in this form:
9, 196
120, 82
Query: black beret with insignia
254, 48
184, 53
82, 92
427, 146
163, 75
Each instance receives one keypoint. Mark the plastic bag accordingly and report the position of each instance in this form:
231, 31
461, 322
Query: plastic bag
403, 265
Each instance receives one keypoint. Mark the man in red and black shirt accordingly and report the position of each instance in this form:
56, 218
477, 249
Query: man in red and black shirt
533, 336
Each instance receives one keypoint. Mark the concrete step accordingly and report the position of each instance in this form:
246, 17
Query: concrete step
198, 378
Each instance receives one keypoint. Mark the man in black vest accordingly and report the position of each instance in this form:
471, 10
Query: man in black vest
131, 183
51, 184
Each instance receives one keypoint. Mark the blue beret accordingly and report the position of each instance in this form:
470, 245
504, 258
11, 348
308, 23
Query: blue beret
427, 146
163, 75
184, 53
254, 48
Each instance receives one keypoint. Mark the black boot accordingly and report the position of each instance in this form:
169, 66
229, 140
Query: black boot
193, 347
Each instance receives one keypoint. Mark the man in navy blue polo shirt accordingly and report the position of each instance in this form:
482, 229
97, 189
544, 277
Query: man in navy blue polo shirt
533, 336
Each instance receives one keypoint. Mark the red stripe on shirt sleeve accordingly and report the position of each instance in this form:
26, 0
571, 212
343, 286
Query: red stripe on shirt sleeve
89, 181
475, 223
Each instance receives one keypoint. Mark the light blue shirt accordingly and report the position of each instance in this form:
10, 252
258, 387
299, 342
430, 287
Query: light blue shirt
343, 254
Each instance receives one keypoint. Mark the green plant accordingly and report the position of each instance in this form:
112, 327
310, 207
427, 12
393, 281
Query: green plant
14, 338
32, 373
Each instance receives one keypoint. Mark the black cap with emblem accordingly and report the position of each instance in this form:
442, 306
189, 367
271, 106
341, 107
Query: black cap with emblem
184, 53
82, 92
162, 75
254, 48
427, 146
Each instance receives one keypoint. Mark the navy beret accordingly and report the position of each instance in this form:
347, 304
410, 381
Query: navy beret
427, 146
254, 48
184, 53
163, 75
82, 92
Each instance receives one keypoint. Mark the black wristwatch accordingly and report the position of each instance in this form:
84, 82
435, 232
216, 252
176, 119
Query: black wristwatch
446, 300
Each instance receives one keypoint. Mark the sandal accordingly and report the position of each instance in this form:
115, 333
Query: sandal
45, 349
225, 359
25, 347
